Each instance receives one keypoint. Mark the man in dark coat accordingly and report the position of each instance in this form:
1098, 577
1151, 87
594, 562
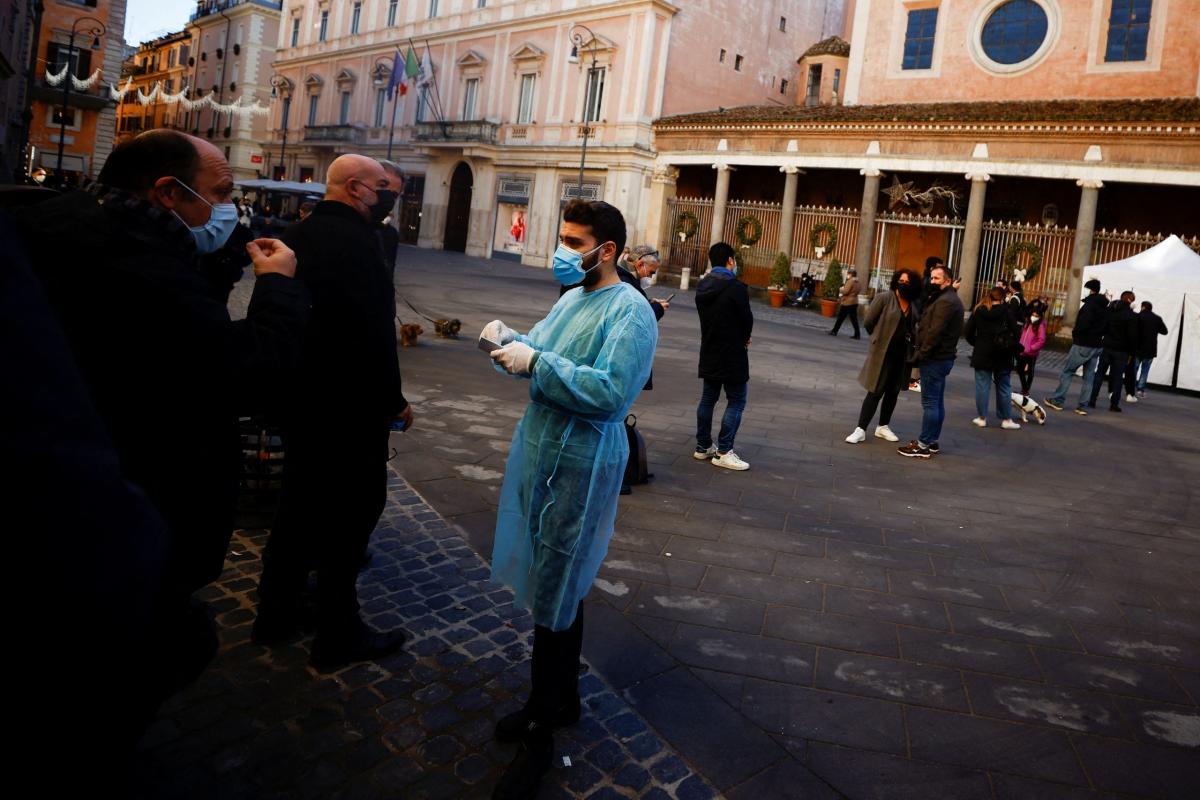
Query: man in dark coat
389, 236
1121, 338
1150, 327
167, 368
644, 264
938, 332
726, 322
345, 396
1086, 339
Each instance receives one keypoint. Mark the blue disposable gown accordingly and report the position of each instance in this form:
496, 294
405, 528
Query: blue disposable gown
559, 499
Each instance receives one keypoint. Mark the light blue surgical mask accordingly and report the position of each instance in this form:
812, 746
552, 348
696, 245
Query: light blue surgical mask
568, 264
212, 235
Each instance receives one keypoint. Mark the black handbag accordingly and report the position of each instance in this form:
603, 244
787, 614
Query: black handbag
636, 471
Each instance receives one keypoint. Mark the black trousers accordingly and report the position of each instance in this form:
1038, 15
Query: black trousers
334, 489
1112, 362
555, 669
1025, 367
891, 381
844, 312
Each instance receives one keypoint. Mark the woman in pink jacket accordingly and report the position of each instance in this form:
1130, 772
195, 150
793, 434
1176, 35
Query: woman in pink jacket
1033, 338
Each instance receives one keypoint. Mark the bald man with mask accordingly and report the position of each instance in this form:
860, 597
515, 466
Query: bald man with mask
341, 406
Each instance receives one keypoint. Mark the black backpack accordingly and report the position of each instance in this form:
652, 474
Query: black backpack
636, 471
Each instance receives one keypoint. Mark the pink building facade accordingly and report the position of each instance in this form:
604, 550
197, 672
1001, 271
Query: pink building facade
494, 138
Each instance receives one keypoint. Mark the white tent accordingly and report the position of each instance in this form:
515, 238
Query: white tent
1168, 275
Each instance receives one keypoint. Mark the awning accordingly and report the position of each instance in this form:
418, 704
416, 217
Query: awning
49, 161
283, 187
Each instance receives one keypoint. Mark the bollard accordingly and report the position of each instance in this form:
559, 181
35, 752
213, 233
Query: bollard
685, 278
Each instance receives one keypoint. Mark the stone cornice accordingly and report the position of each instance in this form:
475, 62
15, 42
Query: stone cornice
1088, 129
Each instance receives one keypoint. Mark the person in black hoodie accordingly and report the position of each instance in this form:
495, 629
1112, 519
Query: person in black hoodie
1150, 327
1087, 337
1121, 339
723, 303
994, 332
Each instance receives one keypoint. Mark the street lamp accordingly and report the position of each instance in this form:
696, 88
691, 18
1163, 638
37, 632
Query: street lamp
576, 45
283, 86
382, 79
95, 29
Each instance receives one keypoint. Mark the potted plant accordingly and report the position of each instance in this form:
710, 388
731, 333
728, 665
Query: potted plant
781, 276
831, 288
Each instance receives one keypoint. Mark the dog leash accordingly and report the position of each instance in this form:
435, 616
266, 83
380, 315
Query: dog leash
410, 305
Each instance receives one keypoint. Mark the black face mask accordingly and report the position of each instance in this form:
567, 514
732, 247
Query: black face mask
385, 199
910, 291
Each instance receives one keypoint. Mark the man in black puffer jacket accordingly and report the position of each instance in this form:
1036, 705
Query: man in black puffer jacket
1120, 343
1087, 338
723, 303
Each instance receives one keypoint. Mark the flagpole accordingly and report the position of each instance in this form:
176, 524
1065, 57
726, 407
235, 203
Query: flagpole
392, 129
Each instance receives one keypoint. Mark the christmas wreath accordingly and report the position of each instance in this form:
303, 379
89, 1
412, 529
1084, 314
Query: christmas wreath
687, 225
1012, 259
749, 231
830, 232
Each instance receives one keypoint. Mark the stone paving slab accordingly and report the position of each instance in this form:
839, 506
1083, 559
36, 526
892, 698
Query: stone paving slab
417, 725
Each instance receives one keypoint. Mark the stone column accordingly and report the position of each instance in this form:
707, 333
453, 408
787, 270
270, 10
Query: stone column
788, 219
1081, 252
717, 232
972, 234
658, 218
866, 222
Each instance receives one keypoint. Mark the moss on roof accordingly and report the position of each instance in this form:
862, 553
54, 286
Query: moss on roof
833, 46
1176, 109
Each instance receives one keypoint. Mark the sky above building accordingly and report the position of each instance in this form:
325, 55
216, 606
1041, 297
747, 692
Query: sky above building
147, 19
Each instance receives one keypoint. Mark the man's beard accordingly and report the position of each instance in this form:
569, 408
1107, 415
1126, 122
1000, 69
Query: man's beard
592, 277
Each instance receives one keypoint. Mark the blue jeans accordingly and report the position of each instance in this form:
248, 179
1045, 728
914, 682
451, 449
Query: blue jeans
1078, 356
1143, 373
983, 384
933, 391
735, 403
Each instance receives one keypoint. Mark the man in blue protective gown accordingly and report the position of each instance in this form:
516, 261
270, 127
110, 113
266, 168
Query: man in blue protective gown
586, 363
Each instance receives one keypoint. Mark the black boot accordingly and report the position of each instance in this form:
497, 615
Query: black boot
513, 727
332, 651
523, 777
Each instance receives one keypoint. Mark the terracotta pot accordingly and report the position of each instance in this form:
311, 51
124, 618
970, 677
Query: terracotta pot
829, 308
777, 296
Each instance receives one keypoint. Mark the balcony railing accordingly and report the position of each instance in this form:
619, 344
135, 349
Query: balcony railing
208, 7
475, 131
333, 133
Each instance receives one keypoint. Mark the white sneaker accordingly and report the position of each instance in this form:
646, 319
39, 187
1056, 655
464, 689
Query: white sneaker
1130, 398
1009, 425
914, 386
705, 455
729, 461
884, 432
979, 422
859, 435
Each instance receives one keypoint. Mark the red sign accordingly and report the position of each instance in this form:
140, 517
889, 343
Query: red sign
255, 159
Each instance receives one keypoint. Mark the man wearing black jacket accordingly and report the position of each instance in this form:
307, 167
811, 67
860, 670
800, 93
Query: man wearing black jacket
723, 303
1120, 342
168, 370
938, 333
345, 396
1087, 337
1150, 327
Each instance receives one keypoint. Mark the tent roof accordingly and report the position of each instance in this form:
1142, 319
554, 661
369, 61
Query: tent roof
1170, 264
286, 187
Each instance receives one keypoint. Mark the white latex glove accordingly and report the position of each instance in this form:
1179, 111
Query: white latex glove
515, 357
496, 331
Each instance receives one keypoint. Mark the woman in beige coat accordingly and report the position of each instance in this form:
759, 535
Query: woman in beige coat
891, 323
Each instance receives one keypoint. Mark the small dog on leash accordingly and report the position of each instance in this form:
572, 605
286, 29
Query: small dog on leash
447, 328
409, 333
1028, 406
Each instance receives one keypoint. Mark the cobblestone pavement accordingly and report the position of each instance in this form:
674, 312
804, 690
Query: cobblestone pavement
1017, 618
418, 725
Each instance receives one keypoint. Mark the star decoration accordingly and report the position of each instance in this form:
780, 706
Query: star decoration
897, 191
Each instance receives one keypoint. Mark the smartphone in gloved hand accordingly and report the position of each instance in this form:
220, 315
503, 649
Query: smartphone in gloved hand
487, 345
